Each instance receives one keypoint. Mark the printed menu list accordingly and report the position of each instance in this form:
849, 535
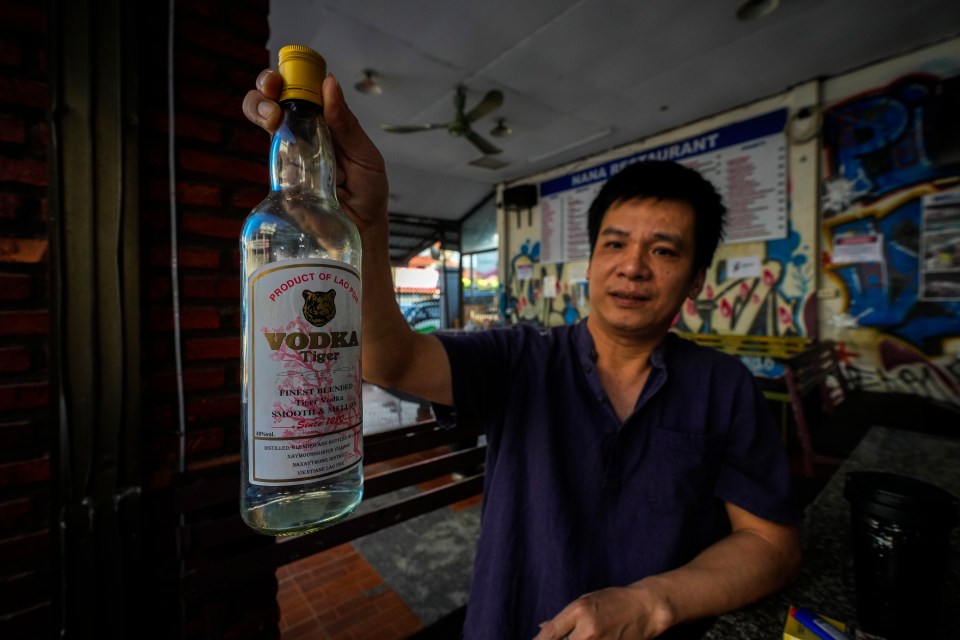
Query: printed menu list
564, 233
746, 162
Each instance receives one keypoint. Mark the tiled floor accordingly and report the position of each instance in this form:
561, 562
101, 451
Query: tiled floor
337, 594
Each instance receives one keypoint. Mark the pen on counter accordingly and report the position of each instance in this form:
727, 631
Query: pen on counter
817, 625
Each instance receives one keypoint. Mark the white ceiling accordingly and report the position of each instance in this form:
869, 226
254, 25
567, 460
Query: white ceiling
579, 76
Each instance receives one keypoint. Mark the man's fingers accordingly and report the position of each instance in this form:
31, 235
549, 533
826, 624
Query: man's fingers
260, 111
556, 629
349, 138
260, 104
269, 83
336, 112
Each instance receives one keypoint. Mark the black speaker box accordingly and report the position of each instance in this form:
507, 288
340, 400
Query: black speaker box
941, 124
523, 196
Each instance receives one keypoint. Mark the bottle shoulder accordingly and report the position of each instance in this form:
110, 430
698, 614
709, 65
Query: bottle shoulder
298, 225
283, 208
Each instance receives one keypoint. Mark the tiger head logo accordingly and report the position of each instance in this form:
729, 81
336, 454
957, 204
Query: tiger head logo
319, 307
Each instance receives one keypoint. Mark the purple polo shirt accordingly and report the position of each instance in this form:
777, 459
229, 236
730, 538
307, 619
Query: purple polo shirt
573, 500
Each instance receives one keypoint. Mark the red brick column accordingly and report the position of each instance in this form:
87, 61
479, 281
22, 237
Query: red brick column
27, 417
221, 173
221, 169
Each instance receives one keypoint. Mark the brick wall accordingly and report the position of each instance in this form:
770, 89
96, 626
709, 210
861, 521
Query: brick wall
26, 415
221, 174
221, 171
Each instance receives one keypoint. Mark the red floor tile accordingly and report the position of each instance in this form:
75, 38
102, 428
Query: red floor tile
337, 595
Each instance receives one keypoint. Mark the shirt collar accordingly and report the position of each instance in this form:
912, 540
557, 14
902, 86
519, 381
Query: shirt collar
587, 351
587, 355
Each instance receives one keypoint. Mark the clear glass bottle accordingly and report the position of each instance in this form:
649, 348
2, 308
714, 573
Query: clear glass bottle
302, 441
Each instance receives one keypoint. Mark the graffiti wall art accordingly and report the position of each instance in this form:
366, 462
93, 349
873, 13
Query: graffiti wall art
877, 252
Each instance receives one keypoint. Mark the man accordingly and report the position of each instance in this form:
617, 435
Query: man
635, 483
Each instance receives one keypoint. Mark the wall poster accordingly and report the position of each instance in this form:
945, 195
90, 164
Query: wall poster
745, 161
940, 243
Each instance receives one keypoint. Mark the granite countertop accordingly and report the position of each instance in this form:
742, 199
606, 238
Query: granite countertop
826, 584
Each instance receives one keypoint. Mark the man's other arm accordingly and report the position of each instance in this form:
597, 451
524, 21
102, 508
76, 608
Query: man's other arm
757, 559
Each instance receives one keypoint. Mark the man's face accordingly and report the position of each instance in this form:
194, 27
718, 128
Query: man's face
642, 267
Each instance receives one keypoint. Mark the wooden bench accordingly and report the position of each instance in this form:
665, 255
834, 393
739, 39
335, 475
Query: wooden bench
217, 551
776, 347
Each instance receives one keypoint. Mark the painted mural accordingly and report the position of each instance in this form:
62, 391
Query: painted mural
877, 178
525, 298
774, 302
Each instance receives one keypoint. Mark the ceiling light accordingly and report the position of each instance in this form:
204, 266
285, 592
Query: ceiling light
368, 84
501, 130
753, 9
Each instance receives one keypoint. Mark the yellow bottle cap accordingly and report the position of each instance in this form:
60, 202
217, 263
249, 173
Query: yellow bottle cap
302, 70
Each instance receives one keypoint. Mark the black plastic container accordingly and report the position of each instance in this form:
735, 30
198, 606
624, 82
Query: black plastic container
901, 531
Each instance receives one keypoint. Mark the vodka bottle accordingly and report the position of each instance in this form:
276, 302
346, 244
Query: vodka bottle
302, 441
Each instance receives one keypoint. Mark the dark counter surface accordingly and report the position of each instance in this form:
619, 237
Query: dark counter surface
826, 584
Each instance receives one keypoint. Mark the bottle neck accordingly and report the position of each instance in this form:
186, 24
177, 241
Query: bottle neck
301, 152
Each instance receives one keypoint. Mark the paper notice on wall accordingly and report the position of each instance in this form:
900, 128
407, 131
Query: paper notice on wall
524, 271
577, 271
859, 248
743, 267
940, 247
549, 286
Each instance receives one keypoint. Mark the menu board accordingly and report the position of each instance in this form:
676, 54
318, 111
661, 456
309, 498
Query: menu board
563, 219
746, 162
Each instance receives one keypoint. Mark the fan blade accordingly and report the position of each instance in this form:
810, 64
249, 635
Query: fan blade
411, 128
480, 143
459, 99
490, 102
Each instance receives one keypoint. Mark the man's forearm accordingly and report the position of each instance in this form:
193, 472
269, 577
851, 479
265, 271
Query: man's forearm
393, 354
383, 325
743, 567
739, 569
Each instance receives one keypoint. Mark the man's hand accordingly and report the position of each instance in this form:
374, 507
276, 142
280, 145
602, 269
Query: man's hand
617, 612
361, 177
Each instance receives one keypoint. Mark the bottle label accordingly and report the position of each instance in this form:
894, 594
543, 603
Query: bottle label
304, 402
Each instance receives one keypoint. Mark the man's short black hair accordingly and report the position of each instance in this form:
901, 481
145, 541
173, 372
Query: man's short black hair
664, 180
